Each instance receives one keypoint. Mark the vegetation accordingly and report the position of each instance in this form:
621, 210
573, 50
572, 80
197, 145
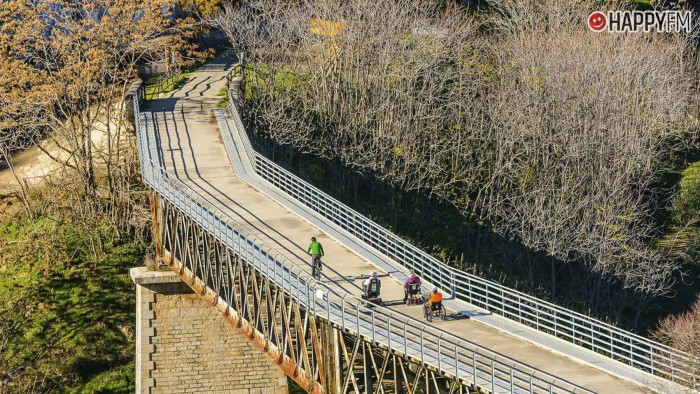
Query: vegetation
511, 142
686, 203
63, 82
66, 301
156, 85
539, 145
223, 97
682, 331
68, 238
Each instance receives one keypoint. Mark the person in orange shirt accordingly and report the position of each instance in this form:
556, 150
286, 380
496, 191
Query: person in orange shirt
435, 298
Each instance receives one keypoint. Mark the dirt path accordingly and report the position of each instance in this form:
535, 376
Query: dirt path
33, 166
192, 151
30, 165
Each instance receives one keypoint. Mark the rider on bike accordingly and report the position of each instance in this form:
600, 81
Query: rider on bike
435, 298
315, 249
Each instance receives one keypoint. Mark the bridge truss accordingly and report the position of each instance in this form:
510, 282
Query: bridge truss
320, 355
325, 341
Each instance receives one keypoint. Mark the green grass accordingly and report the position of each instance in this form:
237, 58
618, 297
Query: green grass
285, 81
71, 309
118, 380
686, 203
223, 102
641, 4
157, 85
161, 84
690, 177
684, 235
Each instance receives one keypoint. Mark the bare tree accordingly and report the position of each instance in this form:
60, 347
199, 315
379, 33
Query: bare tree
582, 128
552, 134
70, 64
683, 332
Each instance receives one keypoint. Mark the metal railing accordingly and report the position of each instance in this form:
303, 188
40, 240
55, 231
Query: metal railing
455, 357
160, 84
639, 352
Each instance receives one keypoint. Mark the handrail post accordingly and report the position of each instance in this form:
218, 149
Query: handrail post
474, 364
422, 348
405, 341
563, 322
388, 331
511, 380
342, 310
456, 363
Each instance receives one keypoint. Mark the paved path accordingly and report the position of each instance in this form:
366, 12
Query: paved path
192, 150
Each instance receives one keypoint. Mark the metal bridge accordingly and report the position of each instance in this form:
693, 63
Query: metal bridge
234, 226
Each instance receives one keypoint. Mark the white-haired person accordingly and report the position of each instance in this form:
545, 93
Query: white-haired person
371, 286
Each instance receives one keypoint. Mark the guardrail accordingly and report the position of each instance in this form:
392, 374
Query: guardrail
639, 352
455, 357
161, 83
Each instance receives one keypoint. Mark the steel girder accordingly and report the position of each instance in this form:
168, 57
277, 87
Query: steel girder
317, 354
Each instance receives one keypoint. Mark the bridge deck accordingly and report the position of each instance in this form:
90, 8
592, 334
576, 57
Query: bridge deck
192, 150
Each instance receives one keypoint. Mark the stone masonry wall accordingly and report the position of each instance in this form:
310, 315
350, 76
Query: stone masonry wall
185, 346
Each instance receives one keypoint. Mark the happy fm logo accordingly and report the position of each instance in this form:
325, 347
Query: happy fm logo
640, 21
597, 21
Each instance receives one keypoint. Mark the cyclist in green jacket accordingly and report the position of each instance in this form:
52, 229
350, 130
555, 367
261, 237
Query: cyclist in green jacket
315, 249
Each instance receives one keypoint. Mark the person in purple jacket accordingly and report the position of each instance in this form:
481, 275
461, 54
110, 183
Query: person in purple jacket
412, 278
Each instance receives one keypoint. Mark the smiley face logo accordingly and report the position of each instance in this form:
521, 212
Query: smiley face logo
597, 21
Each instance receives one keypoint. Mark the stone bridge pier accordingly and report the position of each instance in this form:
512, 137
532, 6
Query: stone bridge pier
183, 345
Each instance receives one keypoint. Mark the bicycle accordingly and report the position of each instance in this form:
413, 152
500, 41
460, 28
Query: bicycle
317, 267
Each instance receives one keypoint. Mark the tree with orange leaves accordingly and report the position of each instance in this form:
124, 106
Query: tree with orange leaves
65, 66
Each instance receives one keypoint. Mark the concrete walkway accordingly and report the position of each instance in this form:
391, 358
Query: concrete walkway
192, 149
